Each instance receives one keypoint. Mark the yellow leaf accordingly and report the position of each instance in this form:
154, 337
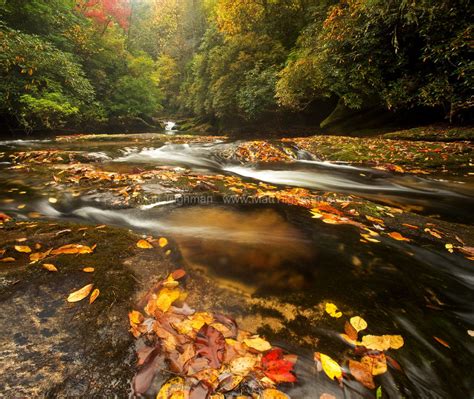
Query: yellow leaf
382, 342
52, 200
50, 267
332, 310
242, 365
144, 244
330, 367
258, 344
80, 294
88, 269
173, 388
273, 394
23, 248
170, 282
94, 295
358, 323
376, 364
135, 317
162, 242
166, 297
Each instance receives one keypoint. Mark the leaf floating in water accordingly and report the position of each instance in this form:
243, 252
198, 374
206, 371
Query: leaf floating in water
50, 267
80, 294
332, 310
71, 249
143, 244
52, 200
330, 366
382, 342
94, 295
23, 248
398, 236
88, 270
470, 333
376, 364
358, 323
162, 242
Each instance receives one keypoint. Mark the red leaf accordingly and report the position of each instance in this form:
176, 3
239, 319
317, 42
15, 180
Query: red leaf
277, 368
210, 344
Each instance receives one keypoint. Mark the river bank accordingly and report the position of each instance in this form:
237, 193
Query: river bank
268, 231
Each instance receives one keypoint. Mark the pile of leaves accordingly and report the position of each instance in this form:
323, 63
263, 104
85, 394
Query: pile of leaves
206, 353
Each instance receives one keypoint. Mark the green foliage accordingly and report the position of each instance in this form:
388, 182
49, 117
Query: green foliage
50, 111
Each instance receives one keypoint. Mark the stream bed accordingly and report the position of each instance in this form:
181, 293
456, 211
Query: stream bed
266, 250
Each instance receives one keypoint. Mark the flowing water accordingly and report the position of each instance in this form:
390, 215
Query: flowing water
278, 251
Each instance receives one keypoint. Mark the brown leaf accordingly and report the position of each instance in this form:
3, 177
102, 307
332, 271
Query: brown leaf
210, 344
361, 373
5, 260
442, 342
350, 331
94, 295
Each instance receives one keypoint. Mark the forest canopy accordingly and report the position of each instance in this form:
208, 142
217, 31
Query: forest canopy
97, 63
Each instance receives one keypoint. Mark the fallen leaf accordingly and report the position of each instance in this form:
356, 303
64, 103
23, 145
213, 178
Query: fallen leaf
382, 342
398, 236
173, 388
6, 260
80, 294
332, 310
88, 269
330, 366
241, 366
376, 364
442, 342
271, 393
52, 200
71, 249
277, 367
350, 331
210, 344
327, 396
358, 323
23, 248
94, 295
144, 244
258, 344
166, 297
50, 267
162, 242
362, 373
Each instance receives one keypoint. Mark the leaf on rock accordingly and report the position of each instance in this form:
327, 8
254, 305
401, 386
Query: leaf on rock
358, 323
332, 310
330, 366
210, 344
6, 260
277, 367
23, 248
174, 388
50, 267
80, 294
162, 242
362, 373
143, 244
257, 343
382, 342
94, 295
398, 236
88, 270
71, 249
376, 364
241, 366
351, 332
271, 393
166, 297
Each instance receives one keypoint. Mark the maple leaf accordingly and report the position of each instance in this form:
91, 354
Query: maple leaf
276, 367
210, 344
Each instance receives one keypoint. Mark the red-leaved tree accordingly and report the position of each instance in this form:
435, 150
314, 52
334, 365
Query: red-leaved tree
104, 12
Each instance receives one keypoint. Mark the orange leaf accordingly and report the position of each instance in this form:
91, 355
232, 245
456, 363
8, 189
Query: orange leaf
398, 236
143, 244
50, 267
23, 248
88, 269
94, 295
442, 342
